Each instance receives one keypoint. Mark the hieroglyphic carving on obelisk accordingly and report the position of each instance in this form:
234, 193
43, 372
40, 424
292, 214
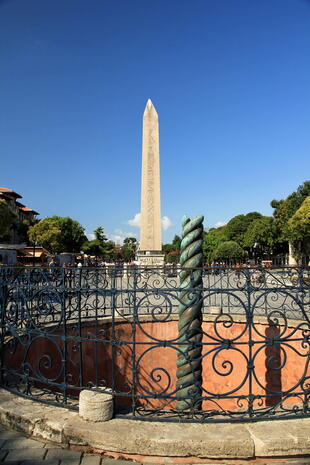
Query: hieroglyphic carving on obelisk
150, 235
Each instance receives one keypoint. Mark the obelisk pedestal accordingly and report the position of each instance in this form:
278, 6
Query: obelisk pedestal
150, 250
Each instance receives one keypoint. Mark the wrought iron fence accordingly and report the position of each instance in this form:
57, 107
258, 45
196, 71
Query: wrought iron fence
117, 328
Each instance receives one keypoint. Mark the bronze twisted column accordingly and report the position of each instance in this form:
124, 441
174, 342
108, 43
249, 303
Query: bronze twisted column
189, 364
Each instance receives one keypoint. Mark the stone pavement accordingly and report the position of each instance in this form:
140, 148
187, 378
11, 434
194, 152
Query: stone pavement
62, 437
17, 449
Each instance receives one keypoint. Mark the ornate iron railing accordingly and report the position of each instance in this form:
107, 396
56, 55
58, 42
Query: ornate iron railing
117, 328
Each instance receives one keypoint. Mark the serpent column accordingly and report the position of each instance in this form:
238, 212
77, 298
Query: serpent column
189, 364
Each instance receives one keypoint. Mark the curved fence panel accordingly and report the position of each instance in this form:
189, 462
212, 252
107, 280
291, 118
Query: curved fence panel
116, 328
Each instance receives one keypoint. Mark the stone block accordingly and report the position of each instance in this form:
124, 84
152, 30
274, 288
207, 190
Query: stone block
50, 428
281, 438
39, 462
63, 454
92, 460
4, 434
95, 405
25, 454
110, 461
22, 443
3, 453
151, 438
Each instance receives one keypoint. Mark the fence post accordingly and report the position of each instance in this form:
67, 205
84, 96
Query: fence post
189, 365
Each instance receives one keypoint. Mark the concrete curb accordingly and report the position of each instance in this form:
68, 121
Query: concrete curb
138, 440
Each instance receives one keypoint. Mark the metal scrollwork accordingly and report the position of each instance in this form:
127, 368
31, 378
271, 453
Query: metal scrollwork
181, 344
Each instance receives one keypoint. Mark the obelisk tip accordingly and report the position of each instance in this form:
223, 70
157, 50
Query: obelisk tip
149, 107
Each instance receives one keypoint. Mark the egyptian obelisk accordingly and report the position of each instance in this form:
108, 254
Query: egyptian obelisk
150, 250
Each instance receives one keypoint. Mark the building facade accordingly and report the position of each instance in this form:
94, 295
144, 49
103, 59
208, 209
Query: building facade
22, 217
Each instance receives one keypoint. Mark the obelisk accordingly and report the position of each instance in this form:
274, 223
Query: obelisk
150, 250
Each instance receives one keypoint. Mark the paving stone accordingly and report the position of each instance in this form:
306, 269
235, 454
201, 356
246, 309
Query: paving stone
40, 462
25, 454
63, 454
109, 461
70, 462
52, 445
3, 453
11, 462
22, 443
8, 434
91, 460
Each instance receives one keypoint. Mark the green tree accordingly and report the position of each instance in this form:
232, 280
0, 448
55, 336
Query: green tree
100, 235
176, 243
7, 220
263, 232
99, 247
211, 241
228, 251
109, 248
130, 245
284, 209
236, 228
167, 248
46, 233
299, 229
172, 250
58, 234
173, 256
93, 248
72, 234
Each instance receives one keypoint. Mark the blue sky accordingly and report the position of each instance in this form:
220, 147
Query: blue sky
229, 79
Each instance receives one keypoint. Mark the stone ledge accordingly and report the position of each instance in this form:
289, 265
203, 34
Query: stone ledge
177, 441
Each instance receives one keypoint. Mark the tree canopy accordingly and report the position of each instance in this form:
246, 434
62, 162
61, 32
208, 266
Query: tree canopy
259, 236
227, 251
262, 232
284, 209
299, 223
211, 241
299, 229
249, 236
236, 228
172, 251
58, 234
99, 247
130, 245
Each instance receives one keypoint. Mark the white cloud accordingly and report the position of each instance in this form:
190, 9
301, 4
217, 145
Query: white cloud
136, 221
119, 236
90, 236
219, 224
115, 238
166, 223
118, 231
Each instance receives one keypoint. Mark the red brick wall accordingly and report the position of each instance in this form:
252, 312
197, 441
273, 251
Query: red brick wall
44, 356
